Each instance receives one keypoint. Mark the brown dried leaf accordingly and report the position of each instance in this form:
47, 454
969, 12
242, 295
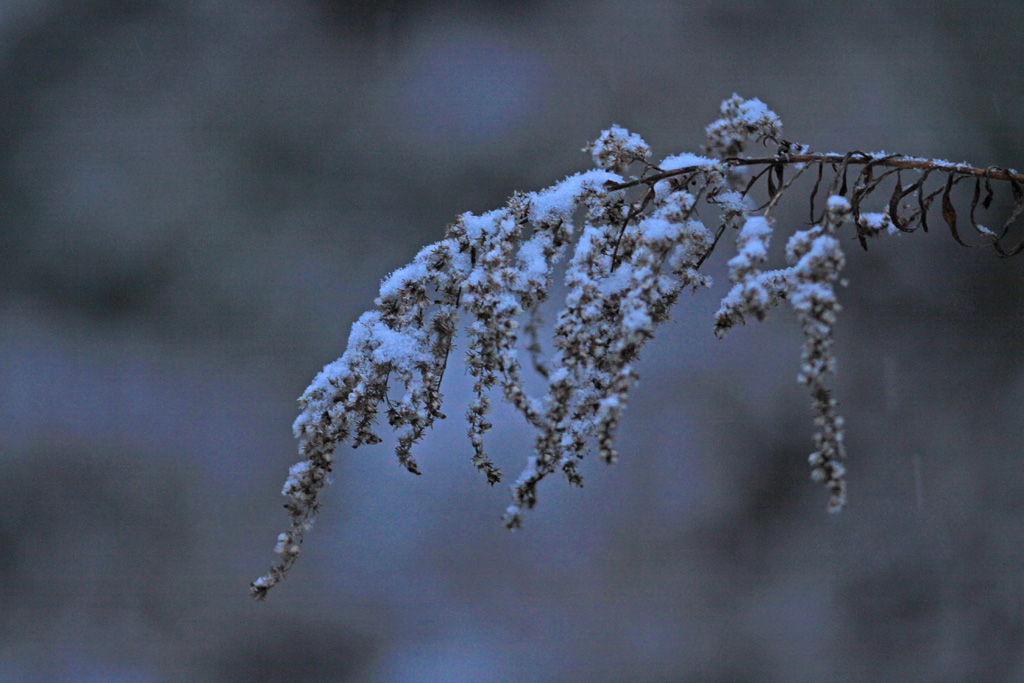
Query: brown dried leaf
987, 201
948, 212
974, 205
1015, 187
894, 204
855, 209
1013, 252
922, 204
1018, 207
878, 181
1017, 210
866, 175
821, 170
841, 173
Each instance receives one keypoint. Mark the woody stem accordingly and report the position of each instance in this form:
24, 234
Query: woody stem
894, 161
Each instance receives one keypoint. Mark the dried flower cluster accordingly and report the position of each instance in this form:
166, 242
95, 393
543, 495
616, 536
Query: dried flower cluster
636, 243
815, 259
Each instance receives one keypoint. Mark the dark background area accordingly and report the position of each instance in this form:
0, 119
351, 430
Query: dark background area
197, 199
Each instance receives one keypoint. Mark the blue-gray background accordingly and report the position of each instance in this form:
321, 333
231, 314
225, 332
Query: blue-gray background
198, 198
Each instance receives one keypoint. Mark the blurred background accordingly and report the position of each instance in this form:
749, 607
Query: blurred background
197, 199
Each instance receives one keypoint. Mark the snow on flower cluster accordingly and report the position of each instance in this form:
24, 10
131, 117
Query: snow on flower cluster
742, 121
630, 246
623, 279
815, 260
754, 292
616, 148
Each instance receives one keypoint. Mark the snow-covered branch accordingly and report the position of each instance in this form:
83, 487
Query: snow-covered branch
632, 244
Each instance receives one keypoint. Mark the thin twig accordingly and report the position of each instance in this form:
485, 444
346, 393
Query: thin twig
893, 161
